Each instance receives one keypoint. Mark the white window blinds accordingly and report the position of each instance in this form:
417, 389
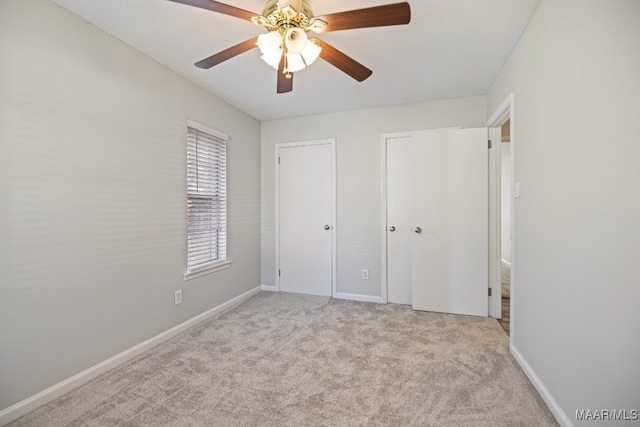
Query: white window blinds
207, 199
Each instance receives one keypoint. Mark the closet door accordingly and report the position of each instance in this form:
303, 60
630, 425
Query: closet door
449, 245
399, 219
437, 220
305, 217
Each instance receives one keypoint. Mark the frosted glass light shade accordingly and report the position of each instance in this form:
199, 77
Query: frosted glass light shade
295, 39
269, 42
310, 52
273, 58
294, 62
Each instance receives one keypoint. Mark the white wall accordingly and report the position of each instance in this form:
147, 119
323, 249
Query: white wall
575, 78
93, 197
358, 160
505, 184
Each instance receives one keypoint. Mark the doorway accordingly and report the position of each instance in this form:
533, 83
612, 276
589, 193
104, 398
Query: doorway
505, 224
502, 262
305, 217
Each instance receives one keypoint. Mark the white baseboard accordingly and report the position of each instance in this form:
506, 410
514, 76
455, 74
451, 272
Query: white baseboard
504, 261
338, 295
27, 405
554, 407
358, 297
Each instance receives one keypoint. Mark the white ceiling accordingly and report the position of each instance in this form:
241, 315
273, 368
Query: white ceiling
450, 49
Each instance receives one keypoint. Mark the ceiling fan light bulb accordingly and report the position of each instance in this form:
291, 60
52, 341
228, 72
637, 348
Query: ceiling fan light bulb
269, 43
294, 62
310, 52
295, 39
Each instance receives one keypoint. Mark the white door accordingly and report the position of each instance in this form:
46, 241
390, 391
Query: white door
449, 250
399, 219
305, 218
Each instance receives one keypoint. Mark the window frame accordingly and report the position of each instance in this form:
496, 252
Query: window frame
220, 264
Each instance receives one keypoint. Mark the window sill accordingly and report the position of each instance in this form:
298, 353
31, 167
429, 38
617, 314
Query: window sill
207, 270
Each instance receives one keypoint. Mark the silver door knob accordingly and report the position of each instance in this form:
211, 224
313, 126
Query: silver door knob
417, 230
392, 228
326, 227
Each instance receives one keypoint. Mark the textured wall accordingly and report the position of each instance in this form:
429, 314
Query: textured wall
574, 75
358, 160
93, 197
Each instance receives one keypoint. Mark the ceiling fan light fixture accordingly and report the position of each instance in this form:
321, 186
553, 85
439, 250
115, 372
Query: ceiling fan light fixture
299, 50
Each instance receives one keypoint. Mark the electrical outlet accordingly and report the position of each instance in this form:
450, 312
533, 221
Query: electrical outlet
365, 274
178, 297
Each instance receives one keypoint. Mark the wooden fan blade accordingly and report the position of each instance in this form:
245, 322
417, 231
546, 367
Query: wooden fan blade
227, 54
285, 84
377, 16
345, 63
215, 6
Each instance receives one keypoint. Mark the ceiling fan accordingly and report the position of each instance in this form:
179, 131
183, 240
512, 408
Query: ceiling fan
286, 47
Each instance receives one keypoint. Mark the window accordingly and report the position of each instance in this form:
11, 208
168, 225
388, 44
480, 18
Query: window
206, 200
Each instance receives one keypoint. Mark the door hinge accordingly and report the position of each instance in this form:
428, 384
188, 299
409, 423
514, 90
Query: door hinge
489, 291
278, 273
278, 160
489, 144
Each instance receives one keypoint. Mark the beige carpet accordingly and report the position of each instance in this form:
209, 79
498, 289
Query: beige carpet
292, 360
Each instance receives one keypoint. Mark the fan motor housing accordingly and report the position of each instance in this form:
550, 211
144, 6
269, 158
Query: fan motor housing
277, 18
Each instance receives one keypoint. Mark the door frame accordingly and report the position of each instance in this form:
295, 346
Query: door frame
332, 143
505, 111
